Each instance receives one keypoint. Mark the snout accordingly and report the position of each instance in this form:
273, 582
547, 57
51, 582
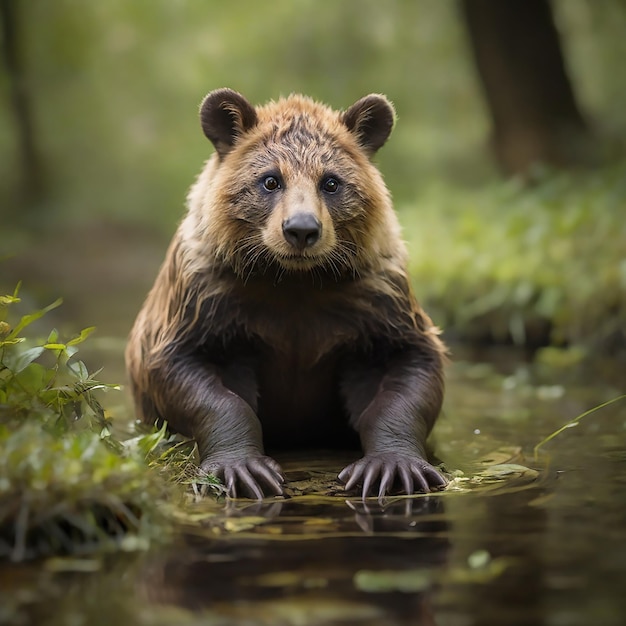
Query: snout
302, 230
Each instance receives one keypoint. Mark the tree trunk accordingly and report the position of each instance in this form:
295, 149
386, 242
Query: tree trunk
534, 113
31, 183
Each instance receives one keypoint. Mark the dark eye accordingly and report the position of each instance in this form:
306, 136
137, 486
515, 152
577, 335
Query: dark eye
271, 183
330, 185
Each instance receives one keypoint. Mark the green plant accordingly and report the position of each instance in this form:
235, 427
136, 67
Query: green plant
42, 379
530, 264
573, 422
67, 485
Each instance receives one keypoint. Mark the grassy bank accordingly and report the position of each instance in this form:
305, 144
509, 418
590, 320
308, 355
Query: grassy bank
67, 484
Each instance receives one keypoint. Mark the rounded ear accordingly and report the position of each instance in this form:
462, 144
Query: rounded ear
371, 119
225, 115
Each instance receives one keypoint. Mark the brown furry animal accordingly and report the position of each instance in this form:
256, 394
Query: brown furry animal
282, 315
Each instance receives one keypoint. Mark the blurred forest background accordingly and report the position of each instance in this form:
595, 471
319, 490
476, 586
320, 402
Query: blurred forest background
507, 163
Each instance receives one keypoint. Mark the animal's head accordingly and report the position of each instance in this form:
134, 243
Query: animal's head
292, 186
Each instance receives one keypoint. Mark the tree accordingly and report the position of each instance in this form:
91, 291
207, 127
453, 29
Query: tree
31, 184
534, 113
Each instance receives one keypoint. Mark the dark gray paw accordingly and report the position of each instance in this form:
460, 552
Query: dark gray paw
380, 473
254, 477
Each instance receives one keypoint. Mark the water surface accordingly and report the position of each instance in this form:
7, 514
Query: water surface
513, 541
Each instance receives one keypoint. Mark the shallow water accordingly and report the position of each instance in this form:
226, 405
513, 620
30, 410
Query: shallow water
514, 540
522, 542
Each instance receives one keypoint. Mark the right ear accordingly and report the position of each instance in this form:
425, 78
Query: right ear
225, 115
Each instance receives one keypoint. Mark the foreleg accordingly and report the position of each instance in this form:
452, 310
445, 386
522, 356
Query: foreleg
393, 408
191, 395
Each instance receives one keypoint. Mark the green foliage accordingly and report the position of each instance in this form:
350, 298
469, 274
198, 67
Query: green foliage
531, 264
115, 86
66, 484
176, 459
42, 379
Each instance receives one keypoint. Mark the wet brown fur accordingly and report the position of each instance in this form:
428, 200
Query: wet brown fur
305, 340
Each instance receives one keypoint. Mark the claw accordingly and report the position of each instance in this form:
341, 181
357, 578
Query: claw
344, 474
421, 479
371, 473
271, 479
230, 481
407, 479
276, 468
248, 481
356, 471
386, 482
436, 478
254, 477
413, 474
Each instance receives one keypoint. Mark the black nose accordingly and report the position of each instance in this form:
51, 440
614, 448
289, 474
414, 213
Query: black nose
302, 230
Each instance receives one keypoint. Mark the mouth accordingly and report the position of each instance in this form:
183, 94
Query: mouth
298, 262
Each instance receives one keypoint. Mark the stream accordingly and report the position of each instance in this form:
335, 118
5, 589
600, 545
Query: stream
514, 540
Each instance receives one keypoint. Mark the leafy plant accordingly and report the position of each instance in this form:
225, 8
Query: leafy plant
67, 485
533, 265
42, 379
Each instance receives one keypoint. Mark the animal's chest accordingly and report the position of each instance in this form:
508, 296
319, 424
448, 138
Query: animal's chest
299, 362
300, 346
299, 402
300, 330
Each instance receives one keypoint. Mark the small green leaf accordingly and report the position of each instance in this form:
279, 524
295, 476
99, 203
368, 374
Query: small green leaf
33, 379
54, 346
83, 335
147, 443
12, 342
6, 300
33, 317
80, 369
19, 362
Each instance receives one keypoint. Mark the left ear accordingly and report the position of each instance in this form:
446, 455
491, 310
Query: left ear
371, 119
225, 116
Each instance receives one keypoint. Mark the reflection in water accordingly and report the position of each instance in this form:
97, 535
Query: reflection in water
235, 577
420, 515
508, 529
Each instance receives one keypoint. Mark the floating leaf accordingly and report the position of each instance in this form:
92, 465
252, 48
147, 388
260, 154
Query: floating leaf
478, 559
385, 581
